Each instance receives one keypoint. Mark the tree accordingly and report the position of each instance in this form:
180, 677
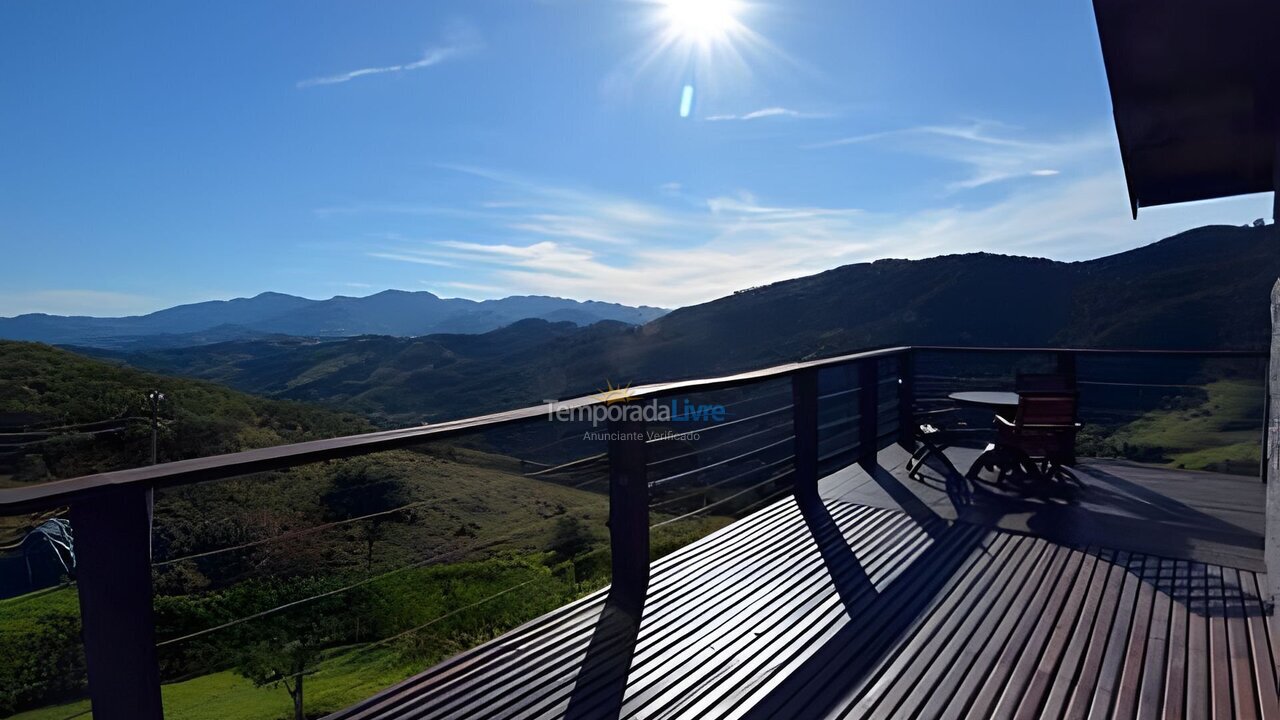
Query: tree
367, 487
287, 665
572, 538
292, 653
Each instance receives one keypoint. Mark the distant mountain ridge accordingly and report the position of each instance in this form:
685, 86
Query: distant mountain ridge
1207, 288
391, 312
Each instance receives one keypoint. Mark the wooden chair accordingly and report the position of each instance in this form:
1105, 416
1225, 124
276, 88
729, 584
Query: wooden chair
1043, 383
937, 430
932, 438
1042, 436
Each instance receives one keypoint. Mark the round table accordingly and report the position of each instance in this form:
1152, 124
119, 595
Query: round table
986, 399
1000, 402
1004, 404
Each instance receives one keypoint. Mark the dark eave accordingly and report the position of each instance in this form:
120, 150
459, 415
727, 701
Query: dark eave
1195, 87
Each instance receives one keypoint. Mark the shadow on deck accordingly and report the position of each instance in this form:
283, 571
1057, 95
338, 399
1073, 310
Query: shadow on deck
892, 598
1183, 514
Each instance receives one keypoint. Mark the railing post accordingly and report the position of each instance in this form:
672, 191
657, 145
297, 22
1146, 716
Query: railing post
1271, 464
629, 513
1067, 366
868, 411
113, 576
804, 423
907, 399
1266, 425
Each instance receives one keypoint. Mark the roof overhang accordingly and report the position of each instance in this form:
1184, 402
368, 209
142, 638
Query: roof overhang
1195, 88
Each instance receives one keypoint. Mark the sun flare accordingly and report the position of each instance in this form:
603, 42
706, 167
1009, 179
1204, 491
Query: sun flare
704, 48
701, 21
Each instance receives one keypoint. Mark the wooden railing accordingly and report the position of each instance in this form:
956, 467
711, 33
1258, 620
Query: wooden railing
110, 512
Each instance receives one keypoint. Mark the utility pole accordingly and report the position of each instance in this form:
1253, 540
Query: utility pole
154, 398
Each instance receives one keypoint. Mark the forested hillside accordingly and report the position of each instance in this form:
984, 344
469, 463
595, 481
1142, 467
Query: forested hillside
43, 389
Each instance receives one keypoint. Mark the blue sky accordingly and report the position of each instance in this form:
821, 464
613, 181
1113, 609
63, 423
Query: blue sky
159, 153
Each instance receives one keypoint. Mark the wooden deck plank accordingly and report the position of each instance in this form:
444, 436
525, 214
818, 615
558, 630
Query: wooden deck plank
946, 668
879, 537
1038, 670
781, 665
1240, 657
1161, 662
1143, 629
1065, 673
808, 672
902, 674
541, 654
1220, 700
1024, 606
781, 626
716, 578
799, 576
867, 612
1198, 690
1099, 639
908, 609
718, 585
1118, 641
1175, 687
1028, 638
1264, 662
784, 626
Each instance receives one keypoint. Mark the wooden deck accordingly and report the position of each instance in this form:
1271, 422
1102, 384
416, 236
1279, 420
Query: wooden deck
906, 603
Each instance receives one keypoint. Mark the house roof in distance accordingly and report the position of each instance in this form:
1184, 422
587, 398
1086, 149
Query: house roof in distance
1195, 88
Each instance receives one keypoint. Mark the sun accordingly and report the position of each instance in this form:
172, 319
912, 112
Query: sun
703, 45
702, 22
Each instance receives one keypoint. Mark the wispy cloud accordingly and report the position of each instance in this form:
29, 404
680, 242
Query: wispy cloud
682, 252
990, 151
473, 288
531, 209
461, 44
412, 257
769, 112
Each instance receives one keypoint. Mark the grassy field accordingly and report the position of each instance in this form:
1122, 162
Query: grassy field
344, 679
1222, 433
422, 617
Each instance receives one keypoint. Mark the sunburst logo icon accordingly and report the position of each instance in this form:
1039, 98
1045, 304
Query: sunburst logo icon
610, 394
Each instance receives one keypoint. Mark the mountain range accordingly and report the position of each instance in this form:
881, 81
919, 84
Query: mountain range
1203, 289
393, 312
